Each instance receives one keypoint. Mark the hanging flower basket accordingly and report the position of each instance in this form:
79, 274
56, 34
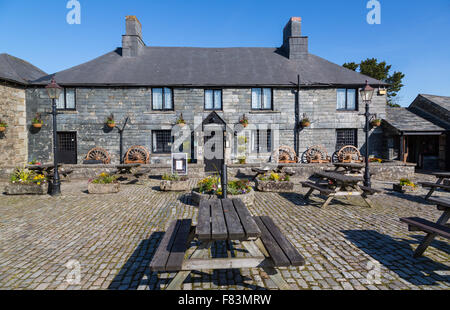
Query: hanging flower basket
37, 122
306, 123
180, 121
244, 121
110, 121
376, 123
3, 126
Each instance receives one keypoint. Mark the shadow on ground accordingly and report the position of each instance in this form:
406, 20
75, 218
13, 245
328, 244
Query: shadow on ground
396, 254
136, 272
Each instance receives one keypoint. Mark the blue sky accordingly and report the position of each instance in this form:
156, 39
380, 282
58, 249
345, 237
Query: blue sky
413, 35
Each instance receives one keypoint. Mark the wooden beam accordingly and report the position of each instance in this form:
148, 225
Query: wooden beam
226, 263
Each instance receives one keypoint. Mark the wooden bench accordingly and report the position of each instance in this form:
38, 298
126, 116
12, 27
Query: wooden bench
279, 249
434, 185
417, 223
312, 186
171, 251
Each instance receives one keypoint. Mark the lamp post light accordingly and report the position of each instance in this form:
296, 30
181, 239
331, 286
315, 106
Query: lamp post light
366, 95
54, 90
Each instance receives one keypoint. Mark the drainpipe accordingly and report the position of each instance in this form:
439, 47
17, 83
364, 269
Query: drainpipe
297, 117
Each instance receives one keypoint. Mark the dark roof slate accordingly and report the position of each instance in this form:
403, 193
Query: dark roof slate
190, 66
16, 70
442, 101
405, 120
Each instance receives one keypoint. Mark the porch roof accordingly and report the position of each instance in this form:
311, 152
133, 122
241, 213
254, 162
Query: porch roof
408, 123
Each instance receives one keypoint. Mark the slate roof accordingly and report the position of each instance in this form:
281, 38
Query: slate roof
442, 101
405, 120
191, 66
16, 70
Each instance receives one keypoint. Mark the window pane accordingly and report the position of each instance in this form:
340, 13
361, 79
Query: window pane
351, 99
255, 141
267, 92
209, 104
60, 101
341, 99
346, 137
269, 140
70, 98
218, 99
157, 98
167, 98
162, 141
256, 98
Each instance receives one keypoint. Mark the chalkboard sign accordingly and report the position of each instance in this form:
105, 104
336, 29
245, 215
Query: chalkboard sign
179, 163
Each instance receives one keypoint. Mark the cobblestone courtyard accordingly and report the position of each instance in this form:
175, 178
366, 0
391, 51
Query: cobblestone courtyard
113, 238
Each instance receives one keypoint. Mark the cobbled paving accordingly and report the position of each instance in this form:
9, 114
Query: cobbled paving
112, 239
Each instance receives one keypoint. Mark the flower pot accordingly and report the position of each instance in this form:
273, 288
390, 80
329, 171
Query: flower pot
2, 129
26, 189
111, 125
306, 124
376, 123
174, 186
244, 124
403, 188
94, 188
37, 125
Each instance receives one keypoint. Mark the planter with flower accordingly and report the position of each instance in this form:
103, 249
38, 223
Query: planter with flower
3, 126
180, 121
405, 185
24, 181
244, 121
37, 122
104, 183
305, 122
274, 182
376, 122
110, 122
210, 188
174, 183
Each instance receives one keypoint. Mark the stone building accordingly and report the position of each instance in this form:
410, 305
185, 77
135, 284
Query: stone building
15, 75
420, 133
212, 89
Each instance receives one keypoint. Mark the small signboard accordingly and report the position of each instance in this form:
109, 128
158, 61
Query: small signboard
179, 163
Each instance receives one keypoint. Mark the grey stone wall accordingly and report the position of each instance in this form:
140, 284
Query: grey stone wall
13, 141
94, 105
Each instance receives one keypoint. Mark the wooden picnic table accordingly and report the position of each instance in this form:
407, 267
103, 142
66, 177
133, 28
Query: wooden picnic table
127, 171
338, 185
441, 176
349, 168
222, 220
440, 228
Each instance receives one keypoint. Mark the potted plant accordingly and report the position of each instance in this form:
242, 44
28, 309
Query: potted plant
24, 181
211, 188
110, 122
3, 126
274, 182
181, 121
174, 182
242, 160
37, 122
376, 122
305, 121
405, 185
104, 184
244, 121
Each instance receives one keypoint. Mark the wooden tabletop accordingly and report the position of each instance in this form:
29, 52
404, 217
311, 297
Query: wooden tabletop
442, 174
225, 219
339, 177
350, 165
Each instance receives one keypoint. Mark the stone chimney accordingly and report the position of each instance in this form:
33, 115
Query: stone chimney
132, 43
294, 45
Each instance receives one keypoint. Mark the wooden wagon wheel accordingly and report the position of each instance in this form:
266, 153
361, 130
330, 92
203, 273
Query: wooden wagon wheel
316, 154
137, 155
98, 153
349, 154
284, 154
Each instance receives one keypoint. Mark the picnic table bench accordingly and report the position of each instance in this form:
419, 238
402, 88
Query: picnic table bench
341, 185
440, 228
441, 176
127, 171
220, 220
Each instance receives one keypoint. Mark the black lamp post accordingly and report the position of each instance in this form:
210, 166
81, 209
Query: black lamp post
54, 90
366, 95
224, 178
